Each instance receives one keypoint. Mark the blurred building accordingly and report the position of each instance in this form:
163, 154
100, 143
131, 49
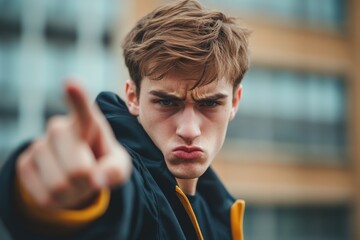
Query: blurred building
42, 43
291, 153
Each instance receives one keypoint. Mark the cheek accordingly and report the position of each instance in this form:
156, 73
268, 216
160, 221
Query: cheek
219, 130
216, 132
220, 137
146, 114
156, 126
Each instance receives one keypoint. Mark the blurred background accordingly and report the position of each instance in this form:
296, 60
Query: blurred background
292, 152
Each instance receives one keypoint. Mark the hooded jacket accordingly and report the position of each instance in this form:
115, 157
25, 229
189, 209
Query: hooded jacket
149, 206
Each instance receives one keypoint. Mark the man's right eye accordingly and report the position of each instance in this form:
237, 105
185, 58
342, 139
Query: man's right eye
166, 102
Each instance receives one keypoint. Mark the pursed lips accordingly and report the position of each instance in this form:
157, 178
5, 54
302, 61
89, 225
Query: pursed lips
188, 152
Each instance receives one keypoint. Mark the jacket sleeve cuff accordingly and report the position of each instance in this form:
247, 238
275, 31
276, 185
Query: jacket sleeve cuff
66, 220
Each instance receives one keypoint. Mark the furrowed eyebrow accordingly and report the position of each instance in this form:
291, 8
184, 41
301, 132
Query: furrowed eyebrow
214, 97
163, 94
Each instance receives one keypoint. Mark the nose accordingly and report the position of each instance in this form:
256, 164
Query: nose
188, 125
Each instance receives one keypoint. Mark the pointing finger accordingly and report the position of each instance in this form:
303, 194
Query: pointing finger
79, 106
89, 121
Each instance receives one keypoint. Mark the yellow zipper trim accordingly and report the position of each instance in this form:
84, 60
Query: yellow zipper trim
186, 204
236, 218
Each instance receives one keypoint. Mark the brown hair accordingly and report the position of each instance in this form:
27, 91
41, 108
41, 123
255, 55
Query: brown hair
184, 35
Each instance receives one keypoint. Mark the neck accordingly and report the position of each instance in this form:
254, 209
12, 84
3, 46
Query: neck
188, 186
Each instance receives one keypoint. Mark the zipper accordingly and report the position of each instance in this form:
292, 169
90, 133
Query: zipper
186, 204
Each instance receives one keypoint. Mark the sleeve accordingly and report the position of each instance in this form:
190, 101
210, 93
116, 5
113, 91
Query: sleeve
113, 215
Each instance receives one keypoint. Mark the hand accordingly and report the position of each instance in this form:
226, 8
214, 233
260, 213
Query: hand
76, 157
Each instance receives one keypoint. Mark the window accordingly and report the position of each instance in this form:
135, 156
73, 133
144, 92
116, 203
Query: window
320, 13
297, 223
294, 112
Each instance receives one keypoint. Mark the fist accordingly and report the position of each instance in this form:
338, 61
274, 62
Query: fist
77, 156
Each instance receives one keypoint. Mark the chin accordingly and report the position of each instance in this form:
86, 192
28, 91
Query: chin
188, 173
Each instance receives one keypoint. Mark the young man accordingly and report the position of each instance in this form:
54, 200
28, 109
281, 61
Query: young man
140, 169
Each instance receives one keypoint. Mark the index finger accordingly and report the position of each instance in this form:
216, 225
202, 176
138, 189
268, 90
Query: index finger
79, 103
90, 124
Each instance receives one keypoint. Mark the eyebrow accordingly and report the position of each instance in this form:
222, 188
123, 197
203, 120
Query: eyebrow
163, 94
214, 97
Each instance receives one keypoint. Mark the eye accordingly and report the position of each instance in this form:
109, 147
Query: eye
166, 102
208, 103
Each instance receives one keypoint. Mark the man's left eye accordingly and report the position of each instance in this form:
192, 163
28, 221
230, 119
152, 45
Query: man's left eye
208, 103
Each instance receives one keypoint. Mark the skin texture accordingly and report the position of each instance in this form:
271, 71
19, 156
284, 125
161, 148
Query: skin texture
187, 125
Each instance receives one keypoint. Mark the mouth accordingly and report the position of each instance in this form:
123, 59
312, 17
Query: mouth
186, 152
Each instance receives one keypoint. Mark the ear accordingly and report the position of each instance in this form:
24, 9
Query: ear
235, 101
132, 100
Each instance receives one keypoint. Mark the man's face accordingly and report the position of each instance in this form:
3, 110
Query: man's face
188, 126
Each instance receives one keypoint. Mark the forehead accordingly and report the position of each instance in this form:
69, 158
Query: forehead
181, 84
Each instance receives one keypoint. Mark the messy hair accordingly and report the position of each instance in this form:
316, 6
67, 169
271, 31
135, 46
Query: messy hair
184, 35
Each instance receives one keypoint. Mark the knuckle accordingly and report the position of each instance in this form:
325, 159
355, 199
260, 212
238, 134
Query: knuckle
28, 158
38, 147
59, 186
82, 165
82, 185
80, 171
23, 165
57, 125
